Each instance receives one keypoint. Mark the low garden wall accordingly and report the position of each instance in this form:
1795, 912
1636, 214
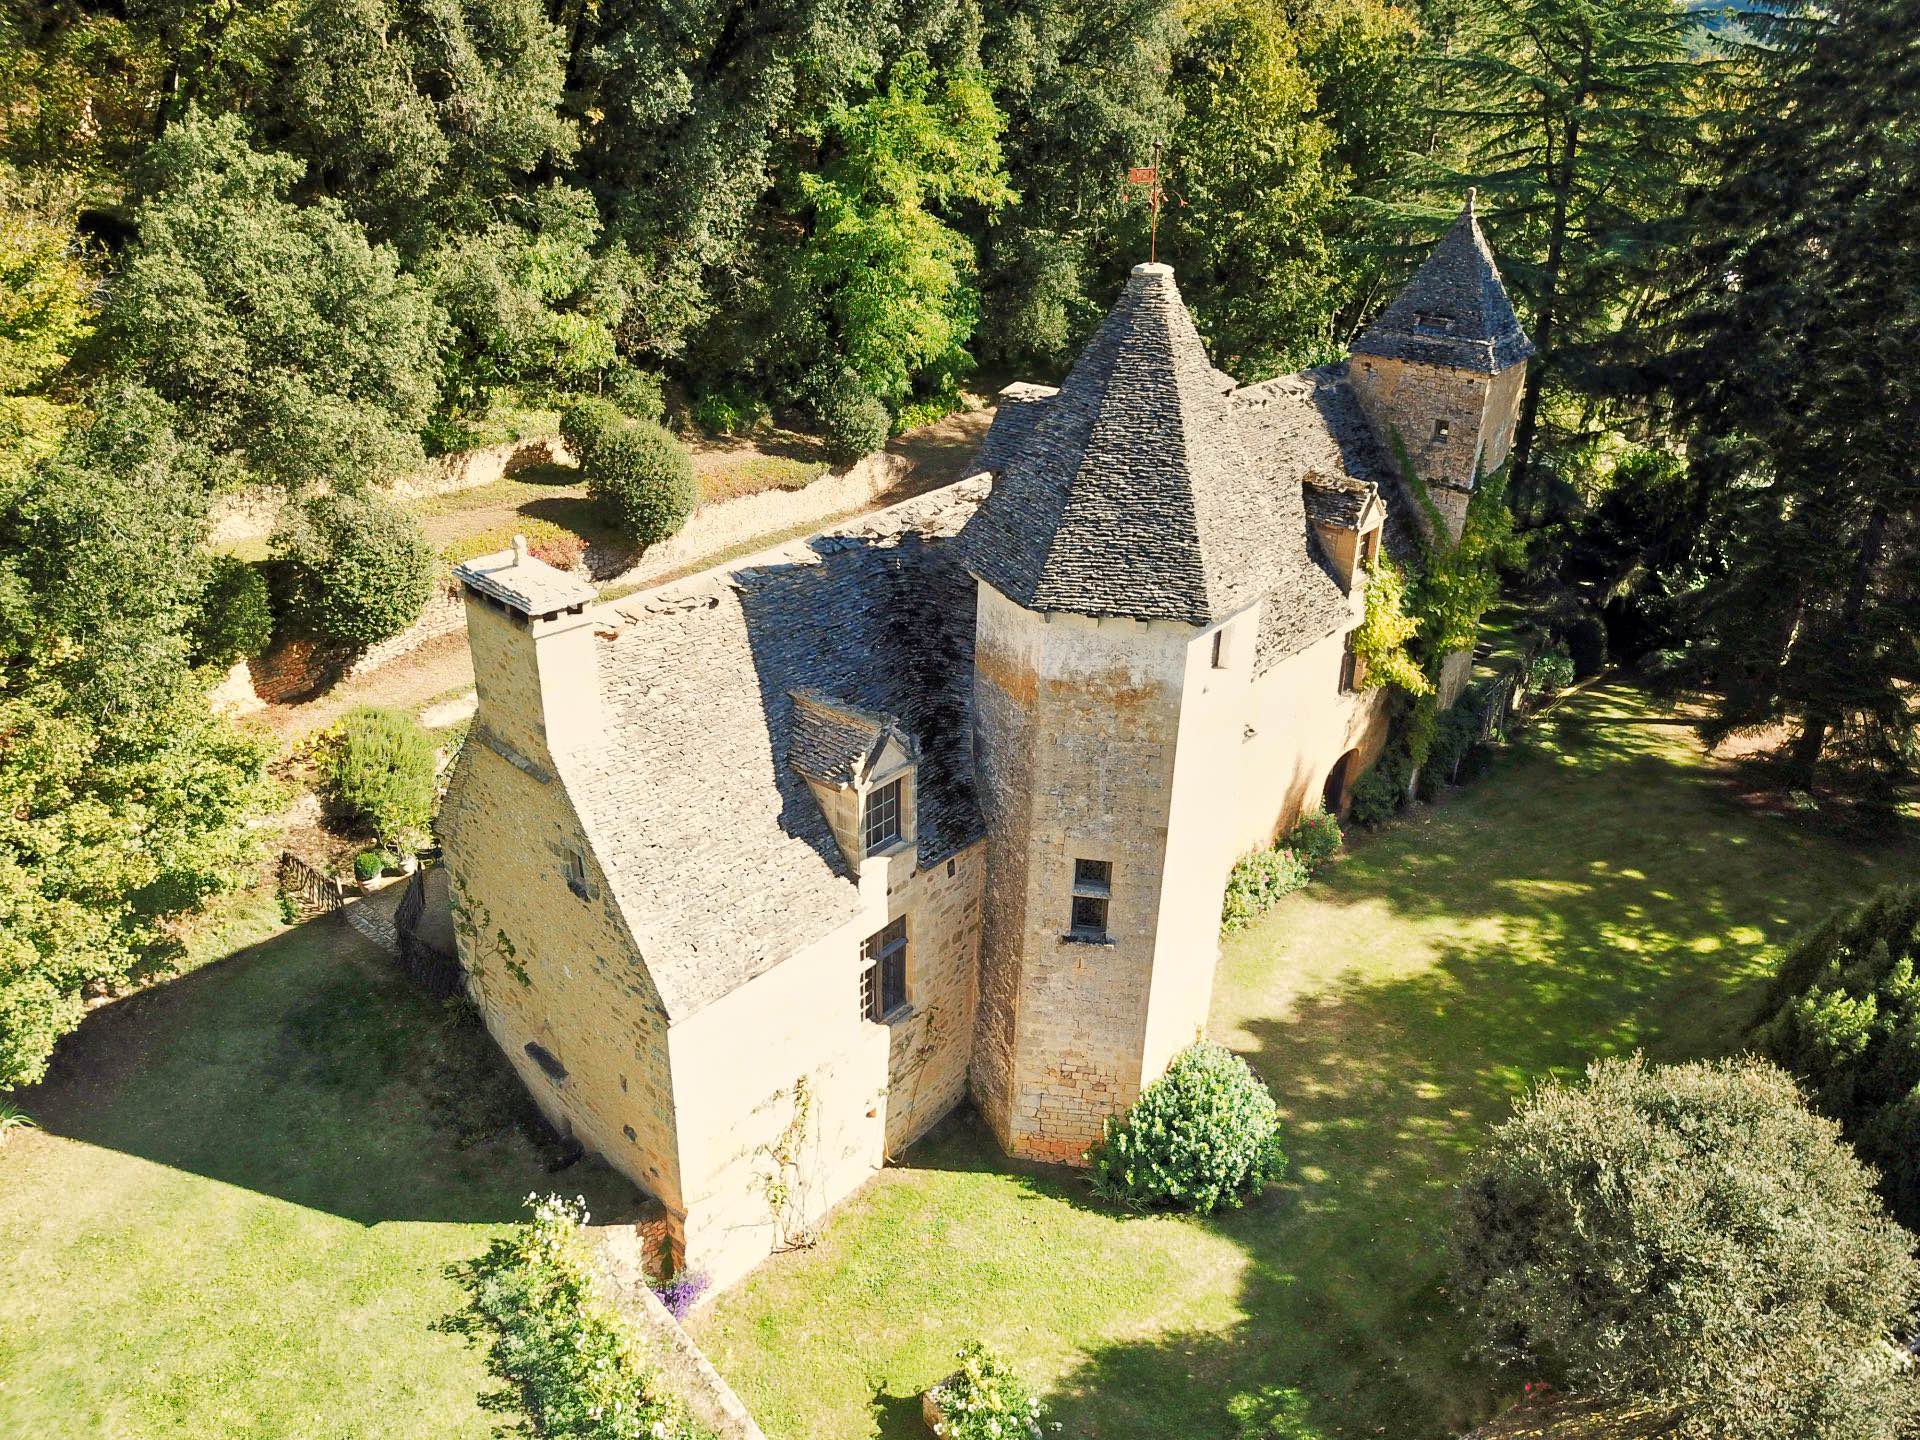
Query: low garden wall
713, 530
251, 514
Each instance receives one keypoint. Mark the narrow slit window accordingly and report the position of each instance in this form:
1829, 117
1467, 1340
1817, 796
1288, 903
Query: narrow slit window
546, 1060
577, 873
1220, 648
882, 825
883, 972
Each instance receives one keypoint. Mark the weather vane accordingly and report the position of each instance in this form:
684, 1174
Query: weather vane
1144, 183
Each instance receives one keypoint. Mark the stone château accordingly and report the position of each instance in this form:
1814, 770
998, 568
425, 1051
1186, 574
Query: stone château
759, 874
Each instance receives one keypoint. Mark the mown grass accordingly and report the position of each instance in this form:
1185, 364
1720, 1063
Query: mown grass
1602, 890
235, 1216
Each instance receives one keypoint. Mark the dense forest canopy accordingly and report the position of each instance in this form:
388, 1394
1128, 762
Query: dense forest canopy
297, 246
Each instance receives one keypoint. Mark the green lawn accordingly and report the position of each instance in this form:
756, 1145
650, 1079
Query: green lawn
1602, 890
237, 1215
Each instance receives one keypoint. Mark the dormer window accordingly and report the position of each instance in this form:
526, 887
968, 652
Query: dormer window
881, 823
1432, 320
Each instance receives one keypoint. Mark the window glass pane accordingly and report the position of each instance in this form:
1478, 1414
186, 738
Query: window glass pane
883, 817
1089, 915
883, 974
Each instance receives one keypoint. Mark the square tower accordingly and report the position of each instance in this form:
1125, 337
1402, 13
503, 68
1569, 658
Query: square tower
1439, 374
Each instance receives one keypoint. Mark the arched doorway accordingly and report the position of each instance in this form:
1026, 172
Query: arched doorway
1334, 796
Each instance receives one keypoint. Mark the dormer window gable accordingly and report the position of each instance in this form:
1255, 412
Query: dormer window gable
862, 768
1348, 518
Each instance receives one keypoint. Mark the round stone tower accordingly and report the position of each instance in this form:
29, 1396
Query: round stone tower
1123, 559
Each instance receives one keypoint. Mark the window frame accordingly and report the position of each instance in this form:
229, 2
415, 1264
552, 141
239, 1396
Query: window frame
576, 872
882, 799
883, 973
1091, 898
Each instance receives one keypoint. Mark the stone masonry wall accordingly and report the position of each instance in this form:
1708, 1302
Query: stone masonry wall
1099, 726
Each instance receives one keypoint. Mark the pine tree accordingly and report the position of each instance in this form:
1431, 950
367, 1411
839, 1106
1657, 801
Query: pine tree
1579, 119
1795, 368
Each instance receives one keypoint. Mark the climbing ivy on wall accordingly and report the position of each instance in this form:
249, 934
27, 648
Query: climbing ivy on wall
1380, 640
1457, 582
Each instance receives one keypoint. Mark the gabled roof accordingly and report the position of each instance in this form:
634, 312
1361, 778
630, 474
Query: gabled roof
834, 743
1132, 494
1454, 312
714, 845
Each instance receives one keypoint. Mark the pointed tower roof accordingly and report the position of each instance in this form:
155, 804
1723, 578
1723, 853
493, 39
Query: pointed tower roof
1454, 311
1133, 495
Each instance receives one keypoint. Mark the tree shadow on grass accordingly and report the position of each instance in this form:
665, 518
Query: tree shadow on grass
305, 1067
1601, 893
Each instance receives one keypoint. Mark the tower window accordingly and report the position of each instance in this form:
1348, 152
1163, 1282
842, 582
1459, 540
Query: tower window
577, 873
1220, 648
882, 825
546, 1060
1442, 429
1092, 893
883, 972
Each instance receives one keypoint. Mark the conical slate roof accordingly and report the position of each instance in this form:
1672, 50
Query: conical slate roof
1454, 311
1133, 495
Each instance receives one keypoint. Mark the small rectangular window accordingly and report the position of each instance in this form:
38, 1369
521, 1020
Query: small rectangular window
577, 873
1442, 429
1349, 673
883, 972
882, 826
1092, 894
1220, 648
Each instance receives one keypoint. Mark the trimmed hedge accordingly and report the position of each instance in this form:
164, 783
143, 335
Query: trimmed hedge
359, 569
642, 478
1844, 1016
586, 423
1203, 1137
853, 420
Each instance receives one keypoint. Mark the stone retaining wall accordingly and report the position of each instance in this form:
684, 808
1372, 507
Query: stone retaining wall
250, 515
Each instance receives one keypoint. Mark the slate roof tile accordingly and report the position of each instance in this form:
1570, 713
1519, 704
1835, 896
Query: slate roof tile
1455, 310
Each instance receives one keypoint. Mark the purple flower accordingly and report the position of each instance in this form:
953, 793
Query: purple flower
680, 1293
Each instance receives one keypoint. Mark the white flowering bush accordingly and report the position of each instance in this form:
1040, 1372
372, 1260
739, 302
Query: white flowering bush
569, 1361
985, 1400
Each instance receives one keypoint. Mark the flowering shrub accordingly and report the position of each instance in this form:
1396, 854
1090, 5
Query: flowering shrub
1315, 838
570, 1362
1259, 880
984, 1400
1205, 1135
682, 1292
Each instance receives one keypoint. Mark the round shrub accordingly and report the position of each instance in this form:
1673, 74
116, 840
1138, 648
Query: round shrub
1377, 796
1844, 1016
643, 479
1694, 1238
1205, 1135
853, 421
381, 766
236, 613
586, 423
359, 568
